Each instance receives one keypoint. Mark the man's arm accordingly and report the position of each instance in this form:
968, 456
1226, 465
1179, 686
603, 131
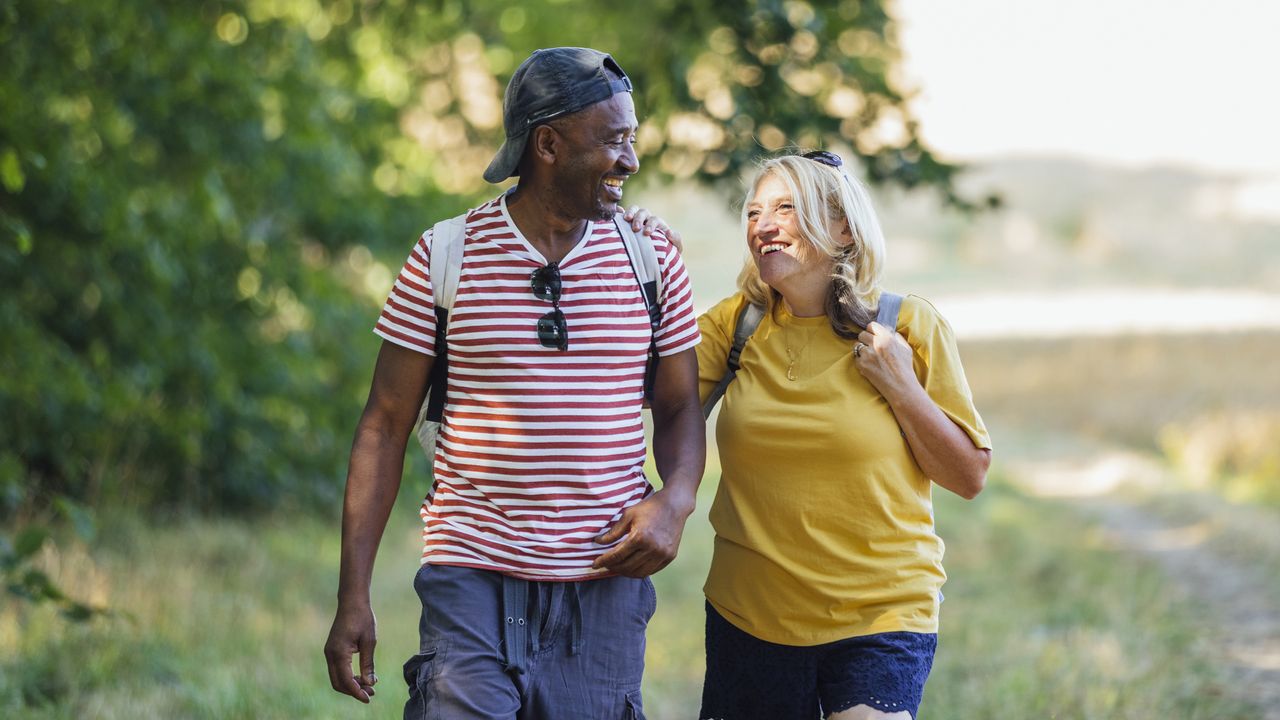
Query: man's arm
653, 527
373, 479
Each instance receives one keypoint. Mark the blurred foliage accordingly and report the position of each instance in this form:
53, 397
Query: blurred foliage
1235, 451
22, 575
201, 203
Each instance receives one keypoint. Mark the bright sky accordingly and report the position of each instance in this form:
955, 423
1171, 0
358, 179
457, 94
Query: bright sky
1130, 82
1125, 81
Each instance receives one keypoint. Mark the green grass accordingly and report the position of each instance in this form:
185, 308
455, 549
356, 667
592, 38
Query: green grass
223, 619
1043, 620
227, 620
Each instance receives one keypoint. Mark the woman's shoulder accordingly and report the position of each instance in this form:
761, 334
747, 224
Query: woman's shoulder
919, 318
724, 314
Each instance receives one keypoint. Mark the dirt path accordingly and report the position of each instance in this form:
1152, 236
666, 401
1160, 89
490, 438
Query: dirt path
1222, 557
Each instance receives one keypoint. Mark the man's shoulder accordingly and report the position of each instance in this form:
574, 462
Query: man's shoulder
485, 217
485, 214
656, 238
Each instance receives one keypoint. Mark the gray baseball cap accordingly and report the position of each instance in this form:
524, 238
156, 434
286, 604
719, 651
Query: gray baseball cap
551, 83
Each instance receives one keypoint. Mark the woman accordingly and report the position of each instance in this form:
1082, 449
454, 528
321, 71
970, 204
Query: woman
826, 577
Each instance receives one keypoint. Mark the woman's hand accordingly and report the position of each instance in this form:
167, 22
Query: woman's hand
643, 221
939, 446
884, 359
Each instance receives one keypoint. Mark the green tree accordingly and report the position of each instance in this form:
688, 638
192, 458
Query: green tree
201, 205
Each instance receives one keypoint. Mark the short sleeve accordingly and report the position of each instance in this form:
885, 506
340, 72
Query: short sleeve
408, 317
679, 328
937, 364
716, 326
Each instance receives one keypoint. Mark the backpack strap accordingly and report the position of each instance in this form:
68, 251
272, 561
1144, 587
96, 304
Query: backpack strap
749, 319
446, 259
887, 313
746, 324
447, 238
644, 263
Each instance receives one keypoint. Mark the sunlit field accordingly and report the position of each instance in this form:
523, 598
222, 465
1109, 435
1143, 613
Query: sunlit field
1044, 617
1208, 403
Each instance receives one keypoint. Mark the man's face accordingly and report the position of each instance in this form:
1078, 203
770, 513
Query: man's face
600, 144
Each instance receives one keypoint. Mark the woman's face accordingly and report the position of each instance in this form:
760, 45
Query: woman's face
787, 262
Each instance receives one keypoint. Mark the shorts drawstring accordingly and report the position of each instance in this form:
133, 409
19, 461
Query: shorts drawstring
522, 618
535, 619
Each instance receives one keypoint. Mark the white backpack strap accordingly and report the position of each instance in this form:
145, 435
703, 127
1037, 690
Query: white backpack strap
446, 259
447, 240
644, 257
644, 262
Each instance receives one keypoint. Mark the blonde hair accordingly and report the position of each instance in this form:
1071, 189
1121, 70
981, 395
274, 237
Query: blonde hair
821, 193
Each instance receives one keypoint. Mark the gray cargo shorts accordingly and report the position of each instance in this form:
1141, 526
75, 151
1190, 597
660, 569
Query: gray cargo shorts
496, 647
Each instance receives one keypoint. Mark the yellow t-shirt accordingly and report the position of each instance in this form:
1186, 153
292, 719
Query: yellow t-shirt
823, 521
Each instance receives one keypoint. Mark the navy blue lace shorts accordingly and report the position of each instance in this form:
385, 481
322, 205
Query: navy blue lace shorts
750, 679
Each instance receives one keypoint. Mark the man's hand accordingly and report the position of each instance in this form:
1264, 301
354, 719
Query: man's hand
643, 221
354, 631
652, 528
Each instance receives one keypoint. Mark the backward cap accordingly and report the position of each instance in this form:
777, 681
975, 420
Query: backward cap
550, 83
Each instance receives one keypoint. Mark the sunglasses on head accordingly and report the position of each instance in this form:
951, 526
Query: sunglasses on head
553, 330
829, 159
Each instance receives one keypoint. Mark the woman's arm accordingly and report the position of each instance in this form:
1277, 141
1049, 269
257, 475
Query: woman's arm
940, 447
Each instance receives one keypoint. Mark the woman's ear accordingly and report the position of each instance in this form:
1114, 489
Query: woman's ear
845, 240
846, 235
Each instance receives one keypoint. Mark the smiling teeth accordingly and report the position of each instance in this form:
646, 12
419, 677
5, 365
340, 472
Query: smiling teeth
771, 247
613, 182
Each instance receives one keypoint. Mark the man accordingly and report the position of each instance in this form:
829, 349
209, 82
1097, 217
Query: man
541, 530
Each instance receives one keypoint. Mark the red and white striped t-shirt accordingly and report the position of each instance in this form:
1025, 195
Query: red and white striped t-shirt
541, 449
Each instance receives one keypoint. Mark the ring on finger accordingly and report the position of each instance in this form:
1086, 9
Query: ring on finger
857, 349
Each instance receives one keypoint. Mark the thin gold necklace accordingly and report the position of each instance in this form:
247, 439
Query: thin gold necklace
793, 356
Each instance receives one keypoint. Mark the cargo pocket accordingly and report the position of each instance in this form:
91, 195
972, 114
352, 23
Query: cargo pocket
634, 710
418, 672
